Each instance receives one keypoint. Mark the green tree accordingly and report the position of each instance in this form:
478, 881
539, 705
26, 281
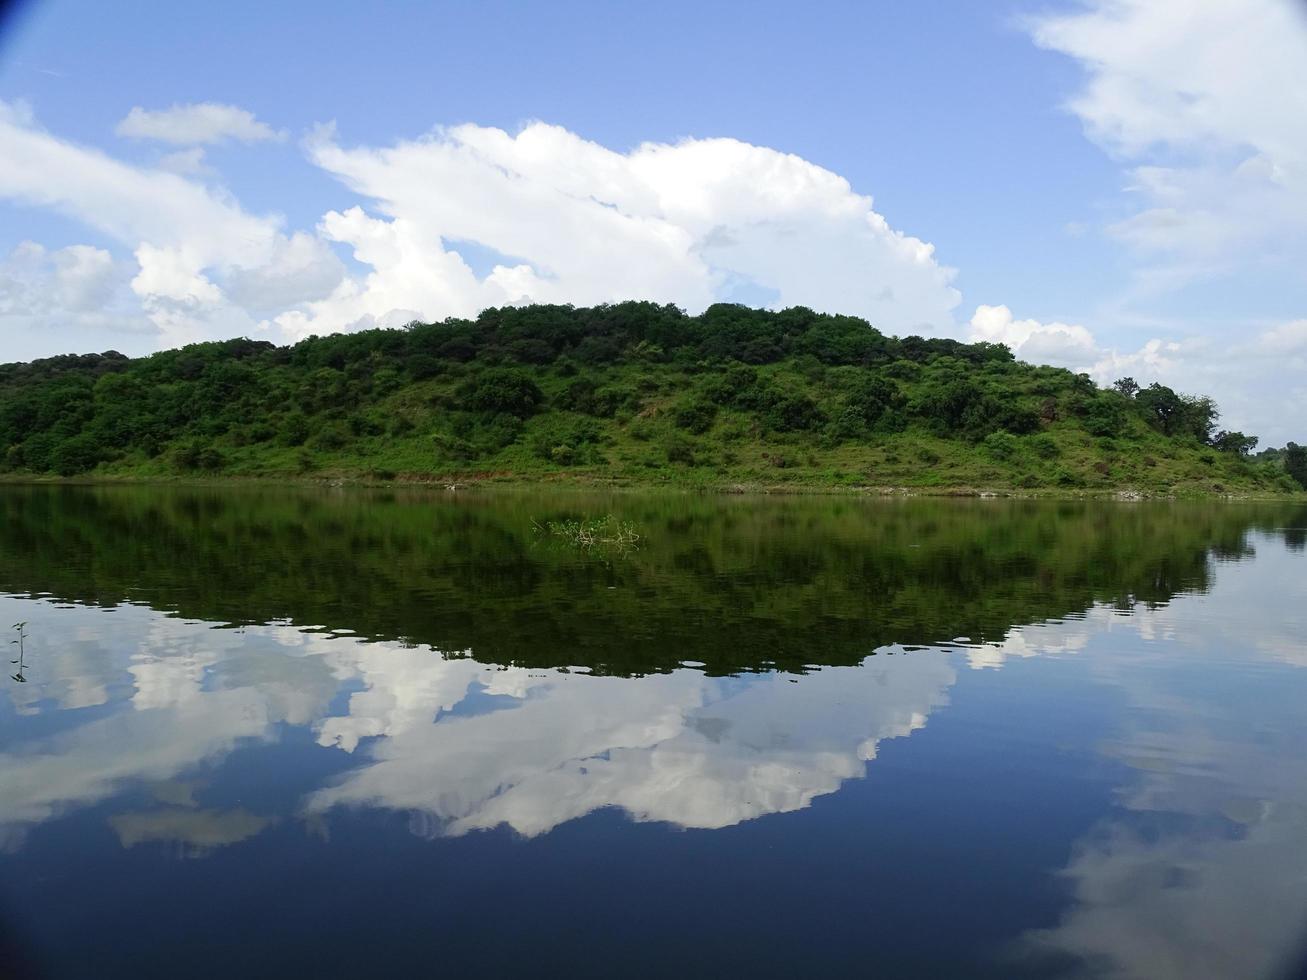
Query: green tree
1295, 463
1235, 443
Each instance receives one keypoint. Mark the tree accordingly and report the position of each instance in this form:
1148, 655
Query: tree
1161, 407
1235, 443
1178, 415
1295, 463
1127, 386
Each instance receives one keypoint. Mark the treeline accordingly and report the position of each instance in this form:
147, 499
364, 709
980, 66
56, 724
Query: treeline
633, 390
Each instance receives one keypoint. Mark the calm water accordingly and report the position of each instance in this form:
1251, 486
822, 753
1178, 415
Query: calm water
348, 734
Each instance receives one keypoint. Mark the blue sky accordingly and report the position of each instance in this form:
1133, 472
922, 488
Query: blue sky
1105, 185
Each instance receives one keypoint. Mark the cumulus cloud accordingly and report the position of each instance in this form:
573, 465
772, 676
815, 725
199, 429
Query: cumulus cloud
195, 123
685, 223
1061, 344
1070, 346
34, 280
79, 289
1205, 103
189, 241
563, 219
1256, 380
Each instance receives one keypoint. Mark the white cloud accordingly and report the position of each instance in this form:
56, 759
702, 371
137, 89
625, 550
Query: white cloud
690, 224
195, 123
1202, 105
75, 279
1288, 338
185, 163
1070, 346
1061, 344
682, 223
189, 241
1255, 380
1205, 103
77, 291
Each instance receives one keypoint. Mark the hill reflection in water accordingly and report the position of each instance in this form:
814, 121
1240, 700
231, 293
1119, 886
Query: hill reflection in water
980, 690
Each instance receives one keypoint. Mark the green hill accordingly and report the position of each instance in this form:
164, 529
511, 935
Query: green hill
631, 393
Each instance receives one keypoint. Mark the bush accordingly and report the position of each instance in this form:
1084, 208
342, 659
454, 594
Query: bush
1001, 446
1105, 417
497, 390
194, 455
211, 459
331, 437
696, 416
738, 386
1045, 447
76, 455
568, 442
1065, 478
581, 396
680, 451
294, 430
869, 398
793, 413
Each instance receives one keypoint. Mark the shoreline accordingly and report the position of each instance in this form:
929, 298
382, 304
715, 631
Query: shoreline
582, 484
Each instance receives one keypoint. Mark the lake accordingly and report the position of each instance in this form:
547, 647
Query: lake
271, 733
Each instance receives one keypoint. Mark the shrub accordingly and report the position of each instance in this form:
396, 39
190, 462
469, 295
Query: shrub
1105, 416
870, 397
567, 442
696, 416
194, 455
680, 450
294, 430
793, 413
1045, 447
1001, 446
329, 438
76, 455
497, 390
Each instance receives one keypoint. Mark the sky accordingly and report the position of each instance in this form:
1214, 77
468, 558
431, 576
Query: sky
1113, 186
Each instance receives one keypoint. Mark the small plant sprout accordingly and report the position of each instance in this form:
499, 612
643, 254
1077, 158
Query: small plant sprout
21, 630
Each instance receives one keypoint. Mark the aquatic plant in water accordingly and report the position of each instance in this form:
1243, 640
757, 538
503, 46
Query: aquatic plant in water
588, 533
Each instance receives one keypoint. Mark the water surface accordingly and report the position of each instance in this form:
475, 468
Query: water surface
344, 733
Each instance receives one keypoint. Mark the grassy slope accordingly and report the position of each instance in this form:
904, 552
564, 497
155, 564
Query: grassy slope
633, 449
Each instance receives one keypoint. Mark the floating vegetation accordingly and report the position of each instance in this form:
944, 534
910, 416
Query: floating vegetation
588, 533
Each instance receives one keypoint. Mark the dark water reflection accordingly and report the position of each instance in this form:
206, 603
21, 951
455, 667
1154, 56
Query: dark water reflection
347, 733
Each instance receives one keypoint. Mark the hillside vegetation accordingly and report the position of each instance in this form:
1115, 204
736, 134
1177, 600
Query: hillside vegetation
630, 393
